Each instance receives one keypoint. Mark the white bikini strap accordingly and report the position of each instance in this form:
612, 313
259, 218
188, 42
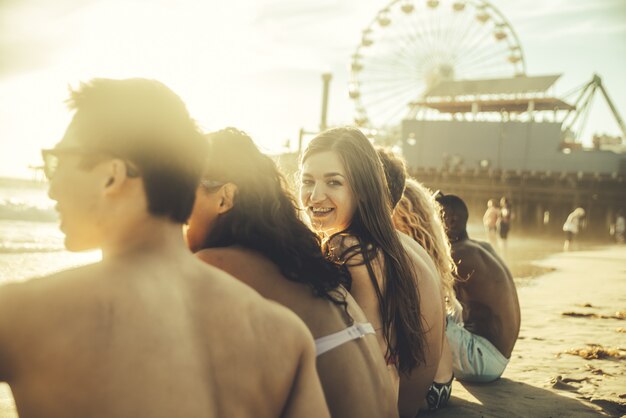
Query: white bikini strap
358, 330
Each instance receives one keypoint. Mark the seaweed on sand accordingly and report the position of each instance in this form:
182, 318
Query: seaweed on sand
595, 351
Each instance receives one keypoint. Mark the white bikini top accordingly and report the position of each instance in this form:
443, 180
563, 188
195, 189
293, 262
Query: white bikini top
329, 342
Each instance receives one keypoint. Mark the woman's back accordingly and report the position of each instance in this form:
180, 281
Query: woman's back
353, 375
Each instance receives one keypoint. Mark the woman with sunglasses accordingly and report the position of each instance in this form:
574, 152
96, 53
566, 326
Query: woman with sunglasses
245, 222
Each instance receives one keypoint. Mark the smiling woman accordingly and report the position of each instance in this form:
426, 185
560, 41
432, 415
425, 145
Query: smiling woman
345, 193
326, 192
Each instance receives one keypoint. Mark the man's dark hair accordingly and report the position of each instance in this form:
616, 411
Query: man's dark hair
453, 205
395, 173
265, 217
147, 124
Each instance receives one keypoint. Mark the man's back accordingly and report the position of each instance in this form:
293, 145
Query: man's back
153, 336
487, 292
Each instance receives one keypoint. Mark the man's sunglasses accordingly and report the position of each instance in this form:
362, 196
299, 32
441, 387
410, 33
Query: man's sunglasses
51, 159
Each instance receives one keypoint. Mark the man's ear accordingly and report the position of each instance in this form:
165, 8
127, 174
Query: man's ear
115, 176
227, 197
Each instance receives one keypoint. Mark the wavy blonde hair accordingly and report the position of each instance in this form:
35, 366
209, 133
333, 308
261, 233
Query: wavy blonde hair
419, 215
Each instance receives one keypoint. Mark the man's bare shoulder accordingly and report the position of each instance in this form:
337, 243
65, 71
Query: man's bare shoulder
42, 288
479, 261
468, 251
38, 305
485, 245
466, 246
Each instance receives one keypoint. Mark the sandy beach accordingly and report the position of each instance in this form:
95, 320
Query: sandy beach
542, 380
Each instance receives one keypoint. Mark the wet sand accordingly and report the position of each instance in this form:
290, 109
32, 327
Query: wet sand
542, 380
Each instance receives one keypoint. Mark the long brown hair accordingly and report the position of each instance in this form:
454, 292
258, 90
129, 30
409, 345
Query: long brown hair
372, 225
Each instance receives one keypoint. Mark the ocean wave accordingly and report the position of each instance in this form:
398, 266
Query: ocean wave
28, 250
19, 211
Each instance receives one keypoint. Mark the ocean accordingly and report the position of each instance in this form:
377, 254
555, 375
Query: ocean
31, 243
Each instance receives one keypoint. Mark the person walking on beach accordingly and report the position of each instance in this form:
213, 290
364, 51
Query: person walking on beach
504, 224
490, 221
572, 226
482, 345
345, 195
246, 222
150, 331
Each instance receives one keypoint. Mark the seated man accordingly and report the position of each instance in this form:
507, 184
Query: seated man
482, 346
151, 331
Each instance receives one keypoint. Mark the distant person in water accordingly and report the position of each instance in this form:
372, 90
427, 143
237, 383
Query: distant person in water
504, 224
572, 227
490, 221
246, 222
482, 345
151, 331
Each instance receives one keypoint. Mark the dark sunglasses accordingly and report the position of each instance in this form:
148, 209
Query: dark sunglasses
51, 159
211, 185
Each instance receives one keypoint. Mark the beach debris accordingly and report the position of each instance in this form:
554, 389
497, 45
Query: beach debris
574, 379
559, 383
597, 371
586, 305
621, 315
580, 314
621, 330
596, 351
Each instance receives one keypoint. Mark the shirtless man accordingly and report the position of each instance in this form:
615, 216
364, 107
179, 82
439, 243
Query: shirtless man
482, 346
151, 330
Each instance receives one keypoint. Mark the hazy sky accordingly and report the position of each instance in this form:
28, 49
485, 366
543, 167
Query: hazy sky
254, 64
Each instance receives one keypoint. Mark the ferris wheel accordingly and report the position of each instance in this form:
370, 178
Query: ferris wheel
412, 45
